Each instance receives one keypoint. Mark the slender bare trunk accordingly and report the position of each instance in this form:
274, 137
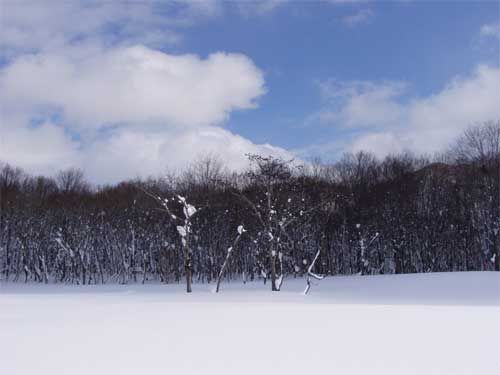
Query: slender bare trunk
311, 274
273, 272
189, 272
226, 261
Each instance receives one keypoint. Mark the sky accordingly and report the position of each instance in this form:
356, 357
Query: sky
133, 89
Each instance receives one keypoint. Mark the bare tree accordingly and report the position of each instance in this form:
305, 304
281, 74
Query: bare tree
184, 229
72, 180
311, 274
230, 250
206, 171
480, 146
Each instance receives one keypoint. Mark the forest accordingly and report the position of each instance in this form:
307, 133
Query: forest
278, 219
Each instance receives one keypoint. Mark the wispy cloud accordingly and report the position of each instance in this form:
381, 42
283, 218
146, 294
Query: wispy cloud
347, 1
41, 25
362, 16
358, 104
383, 117
259, 7
491, 30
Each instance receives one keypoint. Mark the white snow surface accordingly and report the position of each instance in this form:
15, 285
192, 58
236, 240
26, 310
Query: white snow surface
441, 323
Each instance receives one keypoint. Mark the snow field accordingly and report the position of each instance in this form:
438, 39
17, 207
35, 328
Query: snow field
406, 324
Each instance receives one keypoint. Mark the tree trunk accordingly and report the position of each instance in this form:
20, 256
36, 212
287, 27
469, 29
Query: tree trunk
273, 272
496, 251
189, 273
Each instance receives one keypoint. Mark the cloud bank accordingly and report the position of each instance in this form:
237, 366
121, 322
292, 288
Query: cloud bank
89, 85
125, 111
382, 117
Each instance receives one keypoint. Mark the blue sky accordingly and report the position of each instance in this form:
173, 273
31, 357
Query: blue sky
425, 44
308, 79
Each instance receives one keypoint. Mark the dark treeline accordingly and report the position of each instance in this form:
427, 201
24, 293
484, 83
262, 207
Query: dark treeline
402, 214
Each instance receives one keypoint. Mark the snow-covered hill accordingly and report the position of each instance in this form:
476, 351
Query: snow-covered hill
442, 324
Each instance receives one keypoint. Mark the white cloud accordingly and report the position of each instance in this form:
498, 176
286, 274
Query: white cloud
259, 8
491, 30
124, 111
27, 26
132, 85
125, 152
129, 152
43, 149
362, 16
358, 104
85, 85
347, 1
380, 117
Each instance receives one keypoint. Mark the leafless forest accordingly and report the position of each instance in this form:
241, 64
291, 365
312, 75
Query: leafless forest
278, 219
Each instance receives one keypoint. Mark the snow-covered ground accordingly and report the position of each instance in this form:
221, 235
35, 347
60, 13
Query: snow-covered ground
406, 324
